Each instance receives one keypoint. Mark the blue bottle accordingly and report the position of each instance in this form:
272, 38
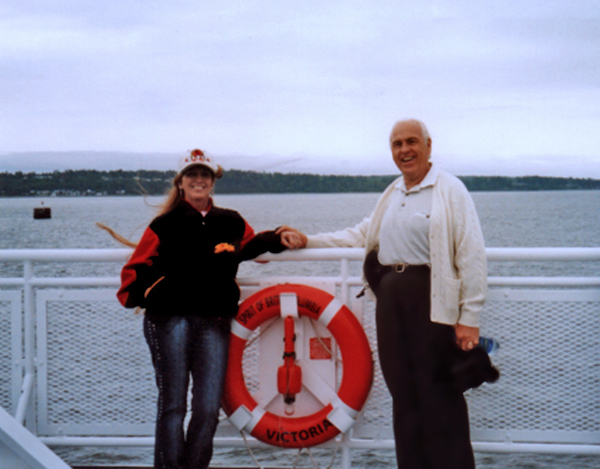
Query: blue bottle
488, 344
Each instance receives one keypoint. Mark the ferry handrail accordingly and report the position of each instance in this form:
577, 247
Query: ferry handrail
543, 254
353, 254
345, 255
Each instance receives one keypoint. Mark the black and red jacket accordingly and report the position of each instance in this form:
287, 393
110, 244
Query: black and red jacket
198, 256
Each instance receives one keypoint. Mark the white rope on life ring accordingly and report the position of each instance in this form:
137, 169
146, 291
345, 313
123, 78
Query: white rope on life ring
340, 414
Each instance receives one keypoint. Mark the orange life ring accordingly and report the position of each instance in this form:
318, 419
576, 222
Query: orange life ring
338, 416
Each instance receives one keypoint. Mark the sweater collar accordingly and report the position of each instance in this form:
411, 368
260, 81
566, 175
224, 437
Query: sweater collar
428, 181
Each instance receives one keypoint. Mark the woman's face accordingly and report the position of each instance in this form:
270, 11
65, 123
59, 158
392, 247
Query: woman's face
197, 184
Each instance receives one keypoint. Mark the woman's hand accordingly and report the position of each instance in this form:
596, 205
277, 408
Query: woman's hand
292, 238
466, 337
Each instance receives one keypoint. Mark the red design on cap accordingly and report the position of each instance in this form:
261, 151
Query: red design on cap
198, 155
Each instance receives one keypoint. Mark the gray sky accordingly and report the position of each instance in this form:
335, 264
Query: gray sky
506, 87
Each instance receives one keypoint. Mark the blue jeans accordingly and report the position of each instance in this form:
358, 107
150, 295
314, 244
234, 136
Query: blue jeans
180, 346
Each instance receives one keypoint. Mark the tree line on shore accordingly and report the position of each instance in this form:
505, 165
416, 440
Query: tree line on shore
93, 182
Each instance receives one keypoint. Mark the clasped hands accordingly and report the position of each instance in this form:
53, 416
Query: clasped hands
291, 238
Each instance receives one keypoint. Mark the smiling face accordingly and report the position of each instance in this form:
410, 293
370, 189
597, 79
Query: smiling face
197, 184
410, 152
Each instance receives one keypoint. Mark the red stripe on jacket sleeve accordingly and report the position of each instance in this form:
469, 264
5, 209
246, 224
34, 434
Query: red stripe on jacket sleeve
147, 248
248, 235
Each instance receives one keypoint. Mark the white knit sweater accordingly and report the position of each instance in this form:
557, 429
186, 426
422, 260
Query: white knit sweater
458, 262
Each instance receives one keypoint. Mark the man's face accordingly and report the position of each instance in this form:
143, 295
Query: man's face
410, 151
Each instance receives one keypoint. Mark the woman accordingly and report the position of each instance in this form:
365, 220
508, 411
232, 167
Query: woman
183, 273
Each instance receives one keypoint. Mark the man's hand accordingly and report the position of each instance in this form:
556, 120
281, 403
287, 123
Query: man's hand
292, 238
466, 337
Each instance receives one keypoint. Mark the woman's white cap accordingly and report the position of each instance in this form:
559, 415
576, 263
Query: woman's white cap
197, 158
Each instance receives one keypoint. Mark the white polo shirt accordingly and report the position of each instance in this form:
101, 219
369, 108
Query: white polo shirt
404, 234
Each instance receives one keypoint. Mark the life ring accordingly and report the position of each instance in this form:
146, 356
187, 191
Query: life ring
339, 415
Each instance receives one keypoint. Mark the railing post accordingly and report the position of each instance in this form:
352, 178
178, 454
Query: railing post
345, 274
346, 462
29, 329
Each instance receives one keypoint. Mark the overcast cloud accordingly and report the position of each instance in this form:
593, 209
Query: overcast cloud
506, 87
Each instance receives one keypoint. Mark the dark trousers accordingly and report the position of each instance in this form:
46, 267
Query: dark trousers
182, 346
431, 422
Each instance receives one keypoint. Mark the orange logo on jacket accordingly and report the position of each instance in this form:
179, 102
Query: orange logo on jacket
224, 247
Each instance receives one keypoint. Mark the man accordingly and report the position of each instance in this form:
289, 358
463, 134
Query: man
426, 265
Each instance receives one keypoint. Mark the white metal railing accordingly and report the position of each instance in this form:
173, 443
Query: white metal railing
29, 284
30, 256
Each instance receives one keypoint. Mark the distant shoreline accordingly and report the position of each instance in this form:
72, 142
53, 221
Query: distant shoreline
120, 183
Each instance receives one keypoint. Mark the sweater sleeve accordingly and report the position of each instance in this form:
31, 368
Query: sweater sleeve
350, 237
140, 272
470, 261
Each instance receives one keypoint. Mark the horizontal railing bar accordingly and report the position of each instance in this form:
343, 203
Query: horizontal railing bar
97, 440
542, 448
149, 441
493, 447
357, 443
64, 255
12, 282
543, 281
76, 281
326, 254
114, 255
353, 281
62, 282
116, 281
256, 281
543, 254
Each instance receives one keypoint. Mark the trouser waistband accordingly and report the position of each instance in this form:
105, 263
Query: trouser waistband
399, 268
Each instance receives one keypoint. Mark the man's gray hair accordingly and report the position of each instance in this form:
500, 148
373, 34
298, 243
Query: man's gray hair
424, 130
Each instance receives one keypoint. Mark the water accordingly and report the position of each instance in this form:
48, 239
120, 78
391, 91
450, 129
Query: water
509, 219
515, 219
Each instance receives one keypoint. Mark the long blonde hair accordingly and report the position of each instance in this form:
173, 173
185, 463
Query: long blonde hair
174, 196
